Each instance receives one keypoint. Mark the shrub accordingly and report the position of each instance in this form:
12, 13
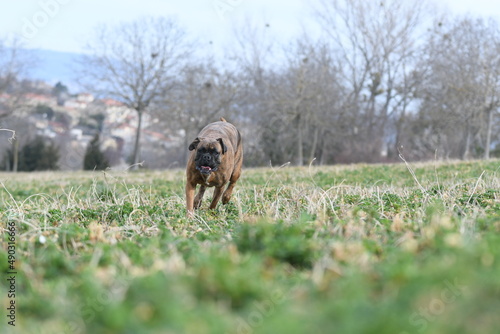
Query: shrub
94, 158
37, 155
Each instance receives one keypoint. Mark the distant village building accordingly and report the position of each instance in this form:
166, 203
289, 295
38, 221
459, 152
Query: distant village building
74, 120
85, 98
32, 99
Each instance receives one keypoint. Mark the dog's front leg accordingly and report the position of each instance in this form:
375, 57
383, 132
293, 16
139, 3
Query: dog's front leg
190, 189
217, 196
199, 197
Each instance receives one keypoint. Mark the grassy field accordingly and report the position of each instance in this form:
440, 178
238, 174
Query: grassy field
342, 249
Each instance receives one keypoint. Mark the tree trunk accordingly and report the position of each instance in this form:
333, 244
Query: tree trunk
135, 155
400, 123
300, 148
188, 138
322, 153
488, 134
466, 153
397, 143
15, 155
7, 162
185, 148
314, 145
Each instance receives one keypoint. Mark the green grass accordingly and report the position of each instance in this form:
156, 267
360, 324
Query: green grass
342, 249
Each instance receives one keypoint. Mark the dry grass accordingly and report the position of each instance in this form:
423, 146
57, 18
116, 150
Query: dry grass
334, 241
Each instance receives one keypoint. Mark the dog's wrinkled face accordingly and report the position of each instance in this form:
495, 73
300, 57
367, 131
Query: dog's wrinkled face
208, 154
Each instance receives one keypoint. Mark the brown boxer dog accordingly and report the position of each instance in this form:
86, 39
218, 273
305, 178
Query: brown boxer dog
216, 158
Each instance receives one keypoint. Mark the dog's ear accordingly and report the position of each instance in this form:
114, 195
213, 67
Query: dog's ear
194, 144
224, 147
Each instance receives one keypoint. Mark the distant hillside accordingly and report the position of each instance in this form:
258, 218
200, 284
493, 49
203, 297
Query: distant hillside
54, 66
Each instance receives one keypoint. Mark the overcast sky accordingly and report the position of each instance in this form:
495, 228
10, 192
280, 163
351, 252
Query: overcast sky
65, 25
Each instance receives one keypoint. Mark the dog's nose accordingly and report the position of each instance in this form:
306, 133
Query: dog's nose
207, 157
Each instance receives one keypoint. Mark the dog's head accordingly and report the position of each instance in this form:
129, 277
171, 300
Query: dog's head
209, 153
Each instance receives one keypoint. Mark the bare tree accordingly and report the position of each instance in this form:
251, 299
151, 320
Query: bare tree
14, 64
136, 63
202, 94
375, 44
254, 52
462, 91
303, 99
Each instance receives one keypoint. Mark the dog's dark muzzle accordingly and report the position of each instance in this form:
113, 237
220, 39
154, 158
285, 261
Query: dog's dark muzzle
206, 164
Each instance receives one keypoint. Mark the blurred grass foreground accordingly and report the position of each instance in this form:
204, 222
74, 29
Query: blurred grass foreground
343, 249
